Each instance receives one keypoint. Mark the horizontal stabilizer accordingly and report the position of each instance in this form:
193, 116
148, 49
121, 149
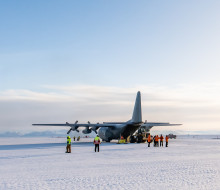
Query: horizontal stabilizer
152, 124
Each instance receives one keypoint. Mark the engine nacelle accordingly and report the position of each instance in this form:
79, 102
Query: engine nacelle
86, 131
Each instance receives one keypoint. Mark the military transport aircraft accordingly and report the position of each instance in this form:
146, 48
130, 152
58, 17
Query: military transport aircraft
114, 130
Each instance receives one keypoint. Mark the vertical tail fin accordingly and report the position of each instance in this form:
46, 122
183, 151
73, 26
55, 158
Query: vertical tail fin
137, 115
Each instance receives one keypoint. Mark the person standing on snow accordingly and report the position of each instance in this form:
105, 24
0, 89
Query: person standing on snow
156, 140
68, 146
167, 140
149, 140
161, 140
96, 142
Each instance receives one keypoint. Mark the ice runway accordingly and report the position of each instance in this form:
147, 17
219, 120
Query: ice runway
40, 163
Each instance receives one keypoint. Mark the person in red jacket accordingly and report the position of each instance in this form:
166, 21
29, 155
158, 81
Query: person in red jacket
161, 140
97, 141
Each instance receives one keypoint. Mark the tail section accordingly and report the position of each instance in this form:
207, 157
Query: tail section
137, 114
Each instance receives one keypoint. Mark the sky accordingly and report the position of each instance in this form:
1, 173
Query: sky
85, 60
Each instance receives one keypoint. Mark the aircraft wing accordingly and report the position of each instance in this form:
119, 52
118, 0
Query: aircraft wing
78, 125
114, 122
75, 126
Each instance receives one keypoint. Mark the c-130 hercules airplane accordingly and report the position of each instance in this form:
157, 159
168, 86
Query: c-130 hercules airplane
114, 130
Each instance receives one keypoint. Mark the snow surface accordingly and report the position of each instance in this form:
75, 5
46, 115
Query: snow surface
40, 163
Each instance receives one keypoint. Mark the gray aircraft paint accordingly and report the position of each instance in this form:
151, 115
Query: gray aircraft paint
137, 113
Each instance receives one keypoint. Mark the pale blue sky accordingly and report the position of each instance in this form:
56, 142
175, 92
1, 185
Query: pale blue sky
103, 42
123, 44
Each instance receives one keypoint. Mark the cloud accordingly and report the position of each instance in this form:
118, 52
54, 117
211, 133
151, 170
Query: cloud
196, 106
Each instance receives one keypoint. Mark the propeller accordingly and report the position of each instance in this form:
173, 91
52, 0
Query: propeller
87, 130
73, 127
94, 128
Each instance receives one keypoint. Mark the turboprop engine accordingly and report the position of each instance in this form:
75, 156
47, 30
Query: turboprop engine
87, 130
94, 129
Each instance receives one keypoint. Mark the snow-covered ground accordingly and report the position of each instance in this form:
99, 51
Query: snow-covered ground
40, 163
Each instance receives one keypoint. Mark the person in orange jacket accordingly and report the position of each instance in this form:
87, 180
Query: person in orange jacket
157, 139
167, 140
161, 140
149, 140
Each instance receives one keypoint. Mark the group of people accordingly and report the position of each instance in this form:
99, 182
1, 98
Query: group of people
97, 142
78, 138
156, 140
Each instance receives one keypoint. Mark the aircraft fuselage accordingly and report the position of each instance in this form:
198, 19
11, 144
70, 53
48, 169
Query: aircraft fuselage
125, 130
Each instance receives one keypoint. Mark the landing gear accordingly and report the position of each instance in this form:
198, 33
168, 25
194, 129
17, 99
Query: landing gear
139, 138
132, 139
